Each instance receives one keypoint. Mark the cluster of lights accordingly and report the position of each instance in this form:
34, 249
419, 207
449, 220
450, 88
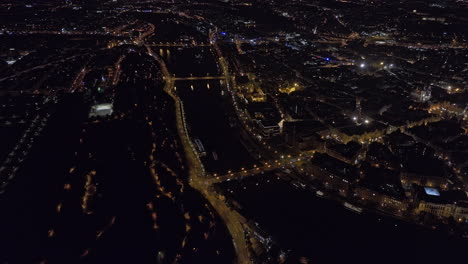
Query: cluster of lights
366, 121
363, 65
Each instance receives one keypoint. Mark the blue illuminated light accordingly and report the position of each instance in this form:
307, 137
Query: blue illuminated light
431, 191
223, 33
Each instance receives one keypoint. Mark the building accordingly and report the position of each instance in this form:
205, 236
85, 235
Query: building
381, 188
407, 179
334, 173
101, 110
443, 204
266, 118
268, 128
381, 200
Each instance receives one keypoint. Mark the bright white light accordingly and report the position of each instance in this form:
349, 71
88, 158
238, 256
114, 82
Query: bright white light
366, 121
391, 65
354, 118
362, 65
102, 107
101, 110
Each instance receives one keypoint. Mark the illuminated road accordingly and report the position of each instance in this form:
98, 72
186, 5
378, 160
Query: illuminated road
143, 218
117, 70
268, 166
233, 220
149, 32
78, 81
53, 63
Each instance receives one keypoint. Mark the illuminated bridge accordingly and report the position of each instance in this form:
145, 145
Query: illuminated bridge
266, 167
192, 78
179, 44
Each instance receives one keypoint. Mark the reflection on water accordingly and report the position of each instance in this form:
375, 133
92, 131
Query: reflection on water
208, 121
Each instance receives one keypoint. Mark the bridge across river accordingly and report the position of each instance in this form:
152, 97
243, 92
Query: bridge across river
179, 44
194, 78
266, 167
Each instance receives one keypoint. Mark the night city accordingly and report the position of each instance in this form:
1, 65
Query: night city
233, 131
